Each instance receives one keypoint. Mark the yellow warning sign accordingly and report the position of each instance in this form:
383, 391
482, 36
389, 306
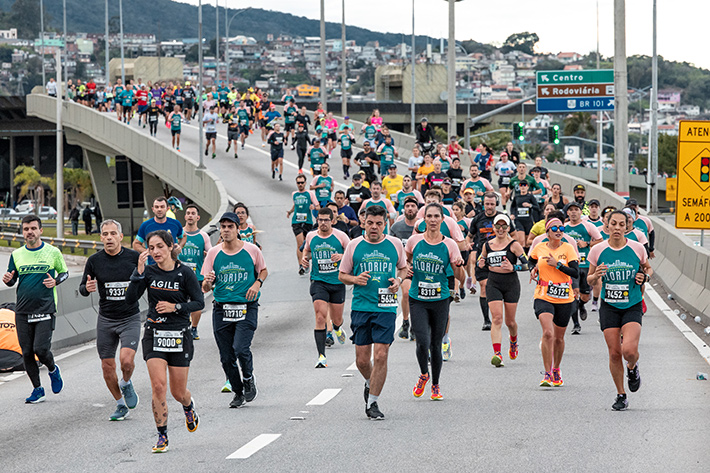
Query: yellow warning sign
671, 187
693, 169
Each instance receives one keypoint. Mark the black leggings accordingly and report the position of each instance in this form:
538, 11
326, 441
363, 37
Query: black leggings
153, 126
35, 339
301, 156
429, 321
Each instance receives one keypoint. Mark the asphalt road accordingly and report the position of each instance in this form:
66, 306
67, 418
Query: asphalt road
490, 419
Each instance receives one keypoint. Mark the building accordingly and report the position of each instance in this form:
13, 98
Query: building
147, 68
394, 83
9, 34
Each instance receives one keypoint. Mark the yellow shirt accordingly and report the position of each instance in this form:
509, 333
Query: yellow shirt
539, 228
392, 185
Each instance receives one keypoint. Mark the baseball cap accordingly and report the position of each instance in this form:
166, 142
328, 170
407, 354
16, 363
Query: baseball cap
574, 203
595, 202
346, 117
468, 191
229, 216
579, 187
446, 181
632, 202
392, 166
357, 176
501, 217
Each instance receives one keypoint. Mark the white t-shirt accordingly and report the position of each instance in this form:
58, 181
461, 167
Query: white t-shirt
52, 88
210, 121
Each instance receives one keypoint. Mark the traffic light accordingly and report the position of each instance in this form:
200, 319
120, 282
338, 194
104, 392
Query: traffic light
705, 169
519, 131
553, 134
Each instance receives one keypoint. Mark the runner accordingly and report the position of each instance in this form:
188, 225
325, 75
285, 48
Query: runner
370, 132
500, 255
367, 159
505, 170
479, 185
484, 160
108, 272
556, 197
236, 278
378, 199
623, 268
407, 190
586, 235
433, 260
37, 268
209, 120
233, 131
455, 173
192, 255
522, 175
357, 193
290, 113
271, 116
142, 101
403, 229
304, 202
127, 104
375, 264
188, 94
464, 223
323, 185
346, 141
173, 293
118, 100
580, 193
524, 212
387, 152
276, 142
317, 156
175, 119
302, 143
554, 298
392, 184
153, 114
247, 232
326, 246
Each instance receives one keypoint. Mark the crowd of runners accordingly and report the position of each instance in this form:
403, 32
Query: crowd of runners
409, 244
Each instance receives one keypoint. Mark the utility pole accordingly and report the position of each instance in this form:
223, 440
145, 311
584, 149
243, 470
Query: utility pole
323, 94
41, 41
216, 35
653, 165
451, 66
60, 152
106, 48
226, 41
200, 86
600, 180
414, 78
120, 18
66, 46
621, 110
344, 78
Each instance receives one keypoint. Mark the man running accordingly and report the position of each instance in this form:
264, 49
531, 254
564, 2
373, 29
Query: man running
235, 271
160, 221
233, 133
108, 272
378, 199
326, 247
276, 142
209, 121
192, 255
38, 267
175, 119
304, 202
375, 265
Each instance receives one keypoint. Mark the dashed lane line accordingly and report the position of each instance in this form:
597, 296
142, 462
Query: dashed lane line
324, 396
253, 446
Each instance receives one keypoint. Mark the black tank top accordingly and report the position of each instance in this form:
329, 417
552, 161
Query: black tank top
560, 205
494, 259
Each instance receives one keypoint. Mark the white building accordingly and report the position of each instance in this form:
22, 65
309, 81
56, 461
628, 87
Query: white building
9, 34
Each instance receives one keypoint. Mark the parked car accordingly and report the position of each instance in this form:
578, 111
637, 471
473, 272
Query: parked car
47, 213
7, 213
25, 207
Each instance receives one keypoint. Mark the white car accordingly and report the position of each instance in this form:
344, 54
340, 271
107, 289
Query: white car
47, 213
25, 207
7, 213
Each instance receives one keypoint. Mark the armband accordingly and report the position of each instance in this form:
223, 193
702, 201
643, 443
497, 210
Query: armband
559, 265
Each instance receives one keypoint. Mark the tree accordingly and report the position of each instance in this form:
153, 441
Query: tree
24, 15
77, 182
524, 42
580, 124
31, 184
549, 65
496, 140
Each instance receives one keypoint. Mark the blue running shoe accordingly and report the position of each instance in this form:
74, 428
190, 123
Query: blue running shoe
129, 395
57, 381
37, 396
120, 414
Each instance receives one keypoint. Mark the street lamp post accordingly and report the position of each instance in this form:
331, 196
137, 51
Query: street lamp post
323, 95
199, 90
653, 167
621, 109
414, 82
120, 17
226, 32
451, 63
41, 41
344, 81
66, 67
106, 47
216, 36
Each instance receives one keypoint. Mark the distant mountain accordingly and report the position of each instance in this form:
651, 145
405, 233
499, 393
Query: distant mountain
172, 20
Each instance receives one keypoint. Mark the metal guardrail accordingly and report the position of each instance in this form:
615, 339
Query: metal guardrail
60, 243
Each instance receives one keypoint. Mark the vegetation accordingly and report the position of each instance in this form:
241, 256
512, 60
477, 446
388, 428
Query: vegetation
524, 42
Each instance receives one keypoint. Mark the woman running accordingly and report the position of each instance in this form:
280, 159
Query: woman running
173, 293
500, 256
554, 297
434, 260
557, 198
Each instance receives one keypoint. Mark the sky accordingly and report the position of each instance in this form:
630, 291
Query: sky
562, 25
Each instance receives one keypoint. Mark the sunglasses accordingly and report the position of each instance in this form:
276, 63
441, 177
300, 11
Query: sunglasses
501, 226
556, 228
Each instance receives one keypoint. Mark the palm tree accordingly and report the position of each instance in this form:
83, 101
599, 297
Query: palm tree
580, 124
31, 184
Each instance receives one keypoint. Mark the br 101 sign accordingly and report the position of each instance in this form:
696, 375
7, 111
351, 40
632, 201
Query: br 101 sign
575, 91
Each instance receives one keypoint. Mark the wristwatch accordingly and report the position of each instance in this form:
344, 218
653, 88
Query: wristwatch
178, 306
261, 281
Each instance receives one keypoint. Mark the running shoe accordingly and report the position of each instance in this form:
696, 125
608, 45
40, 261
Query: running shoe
576, 329
457, 297
462, 293
497, 359
486, 326
595, 306
421, 384
129, 395
366, 393
436, 393
214, 155
227, 388
293, 147
162, 445
469, 282
373, 412
236, 156
281, 177
37, 396
263, 145
621, 403
250, 391
237, 401
121, 412
582, 313
206, 151
242, 145
329, 340
322, 363
513, 350
340, 334
177, 149
634, 378
191, 419
546, 381
446, 350
404, 330
273, 174
229, 145
301, 270
57, 381
556, 378
195, 335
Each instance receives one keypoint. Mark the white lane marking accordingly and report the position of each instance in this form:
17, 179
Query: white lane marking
352, 367
346, 375
253, 446
10, 377
697, 342
74, 351
324, 396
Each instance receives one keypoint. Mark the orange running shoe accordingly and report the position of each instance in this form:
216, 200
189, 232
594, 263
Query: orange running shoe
436, 393
421, 384
546, 381
497, 359
513, 351
556, 378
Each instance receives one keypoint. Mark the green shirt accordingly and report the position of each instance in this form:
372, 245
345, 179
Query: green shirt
290, 114
431, 265
345, 142
619, 286
370, 132
234, 274
317, 159
302, 202
386, 158
243, 115
324, 193
193, 253
323, 268
31, 267
515, 183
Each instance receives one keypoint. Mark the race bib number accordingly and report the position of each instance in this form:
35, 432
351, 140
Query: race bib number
168, 341
429, 290
617, 293
353, 198
327, 266
242, 122
34, 318
234, 312
456, 182
385, 298
495, 258
323, 192
316, 167
116, 291
301, 217
192, 266
505, 181
152, 118
523, 212
477, 200
558, 291
582, 258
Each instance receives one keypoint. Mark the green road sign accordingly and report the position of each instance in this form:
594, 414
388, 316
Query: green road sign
601, 76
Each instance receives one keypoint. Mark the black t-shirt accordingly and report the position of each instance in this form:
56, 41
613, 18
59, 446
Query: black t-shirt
112, 275
481, 229
276, 140
514, 156
352, 194
456, 176
525, 213
153, 113
188, 93
302, 139
356, 232
360, 158
450, 198
178, 286
305, 119
435, 178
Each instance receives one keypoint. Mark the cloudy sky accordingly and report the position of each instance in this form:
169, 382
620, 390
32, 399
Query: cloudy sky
562, 25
